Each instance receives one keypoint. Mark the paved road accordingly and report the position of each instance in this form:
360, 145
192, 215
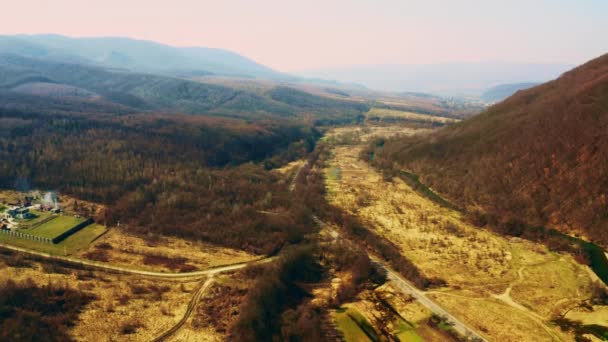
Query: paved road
411, 290
197, 296
120, 269
421, 297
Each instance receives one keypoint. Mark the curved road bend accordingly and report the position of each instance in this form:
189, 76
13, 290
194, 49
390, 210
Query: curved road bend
197, 296
120, 269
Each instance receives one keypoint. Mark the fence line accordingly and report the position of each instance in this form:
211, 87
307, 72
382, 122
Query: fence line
26, 236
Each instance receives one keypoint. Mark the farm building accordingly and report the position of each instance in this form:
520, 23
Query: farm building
19, 213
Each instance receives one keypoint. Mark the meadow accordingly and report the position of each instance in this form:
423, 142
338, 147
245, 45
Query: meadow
486, 274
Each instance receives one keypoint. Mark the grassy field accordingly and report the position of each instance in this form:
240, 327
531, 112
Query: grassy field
488, 275
55, 227
151, 305
354, 327
414, 182
40, 216
380, 114
407, 333
72, 244
136, 252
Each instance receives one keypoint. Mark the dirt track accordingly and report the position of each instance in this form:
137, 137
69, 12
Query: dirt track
119, 269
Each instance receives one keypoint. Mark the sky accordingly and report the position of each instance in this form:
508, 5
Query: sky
297, 35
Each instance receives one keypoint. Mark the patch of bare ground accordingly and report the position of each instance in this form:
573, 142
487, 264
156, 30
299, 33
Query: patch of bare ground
488, 275
125, 307
160, 253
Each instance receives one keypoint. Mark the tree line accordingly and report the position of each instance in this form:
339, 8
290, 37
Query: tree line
196, 177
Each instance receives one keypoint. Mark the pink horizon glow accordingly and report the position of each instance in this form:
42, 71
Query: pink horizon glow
299, 35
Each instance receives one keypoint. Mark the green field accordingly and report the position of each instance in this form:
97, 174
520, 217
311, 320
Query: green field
39, 217
73, 243
55, 227
406, 332
354, 327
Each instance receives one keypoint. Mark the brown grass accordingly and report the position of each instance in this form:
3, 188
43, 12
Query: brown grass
139, 308
162, 253
477, 264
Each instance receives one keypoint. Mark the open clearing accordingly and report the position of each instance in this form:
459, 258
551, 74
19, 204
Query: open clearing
55, 226
479, 266
162, 253
69, 246
381, 114
121, 301
353, 325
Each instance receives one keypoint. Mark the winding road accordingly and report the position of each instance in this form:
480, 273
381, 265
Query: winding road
392, 276
210, 272
120, 269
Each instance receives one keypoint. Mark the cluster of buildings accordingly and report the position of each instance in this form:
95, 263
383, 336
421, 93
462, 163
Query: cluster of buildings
21, 210
15, 213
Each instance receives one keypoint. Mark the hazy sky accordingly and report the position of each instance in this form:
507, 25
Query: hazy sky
308, 34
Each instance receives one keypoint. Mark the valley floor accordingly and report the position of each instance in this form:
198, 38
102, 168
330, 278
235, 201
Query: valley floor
504, 289
507, 289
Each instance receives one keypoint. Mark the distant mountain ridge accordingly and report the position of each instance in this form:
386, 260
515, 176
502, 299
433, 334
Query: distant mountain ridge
446, 79
136, 55
502, 91
43, 85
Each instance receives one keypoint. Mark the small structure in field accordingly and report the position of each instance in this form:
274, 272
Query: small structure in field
20, 213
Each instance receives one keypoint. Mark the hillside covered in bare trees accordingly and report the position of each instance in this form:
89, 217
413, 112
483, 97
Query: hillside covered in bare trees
539, 158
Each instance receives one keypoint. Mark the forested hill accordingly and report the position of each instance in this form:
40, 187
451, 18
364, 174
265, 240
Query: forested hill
71, 87
541, 156
191, 176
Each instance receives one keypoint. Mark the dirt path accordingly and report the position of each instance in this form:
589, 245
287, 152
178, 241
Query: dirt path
507, 299
506, 296
119, 269
191, 306
292, 185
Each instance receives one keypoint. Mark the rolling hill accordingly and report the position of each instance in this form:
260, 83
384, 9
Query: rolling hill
35, 84
540, 157
136, 55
